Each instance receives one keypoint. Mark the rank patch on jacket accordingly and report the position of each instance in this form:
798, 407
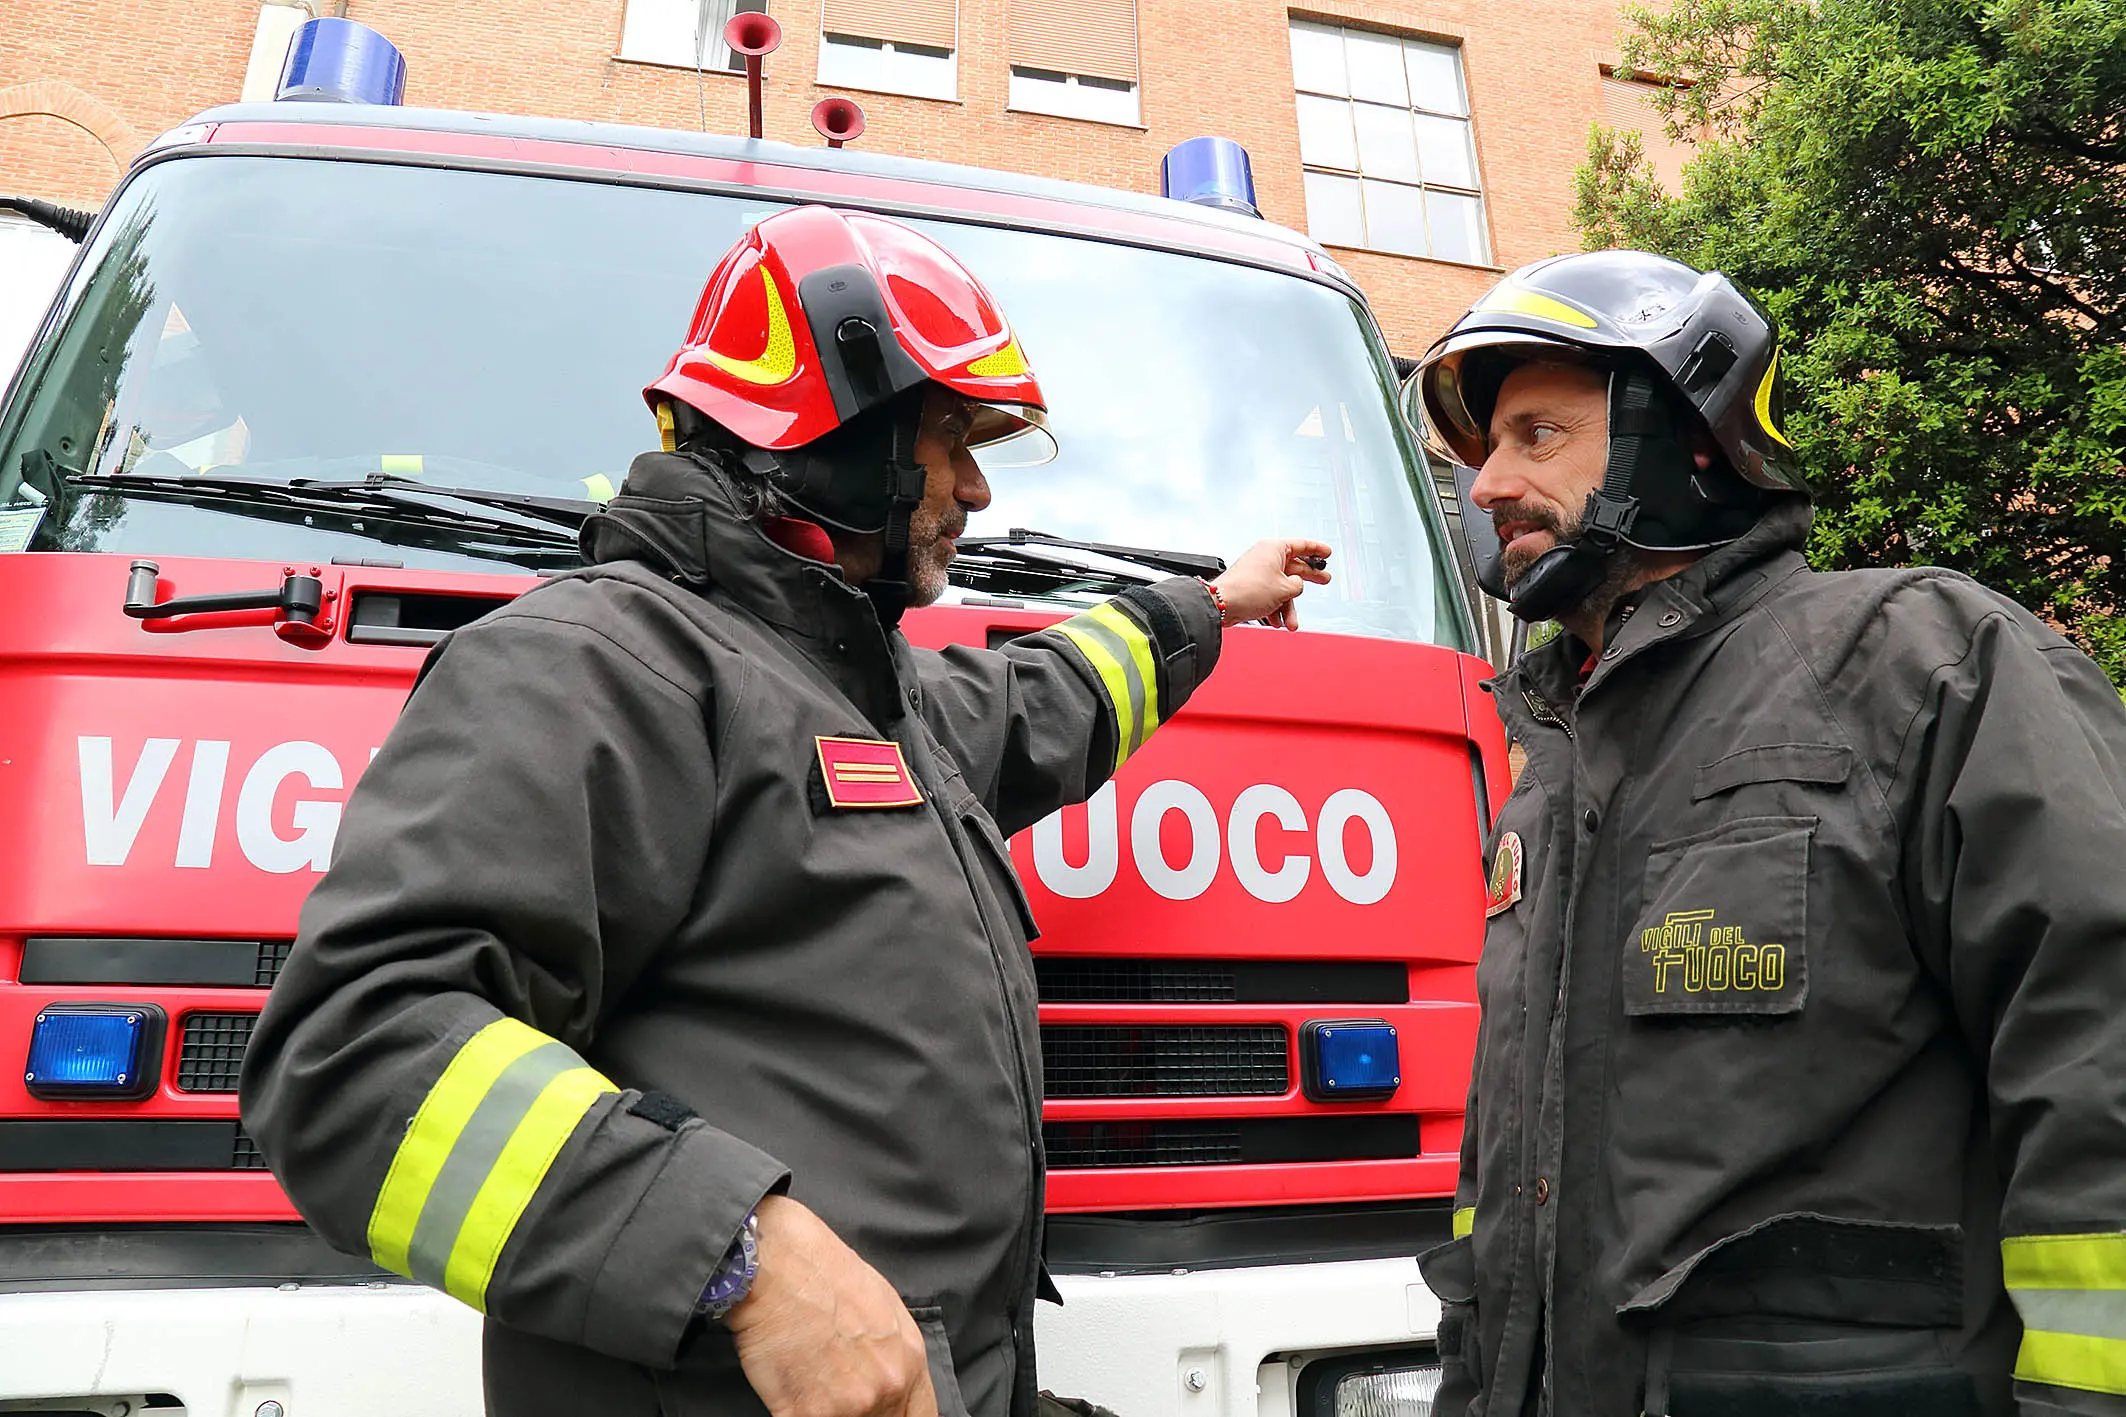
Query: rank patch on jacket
866, 772
1505, 884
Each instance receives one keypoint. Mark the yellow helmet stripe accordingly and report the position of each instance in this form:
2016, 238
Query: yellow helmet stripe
778, 361
1520, 300
1005, 363
1764, 401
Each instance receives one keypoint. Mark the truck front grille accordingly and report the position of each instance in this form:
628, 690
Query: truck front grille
272, 954
246, 1155
1165, 1061
1229, 1141
211, 1056
1104, 979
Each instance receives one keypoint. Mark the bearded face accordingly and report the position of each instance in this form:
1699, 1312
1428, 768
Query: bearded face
932, 530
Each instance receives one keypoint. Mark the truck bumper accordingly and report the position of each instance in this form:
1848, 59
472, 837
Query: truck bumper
340, 1350
1213, 1343
1223, 1343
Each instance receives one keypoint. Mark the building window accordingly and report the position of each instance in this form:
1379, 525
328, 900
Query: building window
1074, 58
1628, 107
1385, 140
893, 46
686, 33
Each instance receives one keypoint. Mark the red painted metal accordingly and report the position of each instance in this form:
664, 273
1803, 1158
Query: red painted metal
1212, 1187
1312, 714
141, 1197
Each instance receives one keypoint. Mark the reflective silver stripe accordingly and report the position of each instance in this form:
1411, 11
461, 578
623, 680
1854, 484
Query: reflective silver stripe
1135, 731
2096, 1313
474, 1154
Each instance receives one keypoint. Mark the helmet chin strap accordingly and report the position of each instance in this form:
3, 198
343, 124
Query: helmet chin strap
1563, 577
905, 477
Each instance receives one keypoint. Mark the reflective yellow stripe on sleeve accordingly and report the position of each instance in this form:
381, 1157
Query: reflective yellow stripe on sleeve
1464, 1221
1121, 654
475, 1154
2071, 1293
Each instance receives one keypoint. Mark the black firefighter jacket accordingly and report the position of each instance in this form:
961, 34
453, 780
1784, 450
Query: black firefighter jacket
1801, 1080
600, 962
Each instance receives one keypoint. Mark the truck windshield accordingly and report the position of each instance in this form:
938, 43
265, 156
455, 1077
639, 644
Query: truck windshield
275, 319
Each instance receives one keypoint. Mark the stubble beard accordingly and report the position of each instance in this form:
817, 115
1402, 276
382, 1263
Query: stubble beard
1621, 574
927, 561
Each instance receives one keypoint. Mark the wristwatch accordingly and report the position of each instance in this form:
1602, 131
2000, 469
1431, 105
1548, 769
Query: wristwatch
733, 1278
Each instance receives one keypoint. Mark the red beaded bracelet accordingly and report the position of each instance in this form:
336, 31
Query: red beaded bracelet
1217, 599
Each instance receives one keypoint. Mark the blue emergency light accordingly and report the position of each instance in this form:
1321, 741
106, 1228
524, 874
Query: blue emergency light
1211, 172
332, 60
91, 1052
1349, 1059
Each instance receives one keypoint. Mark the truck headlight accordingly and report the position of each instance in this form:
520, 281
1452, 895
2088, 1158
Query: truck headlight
1395, 1384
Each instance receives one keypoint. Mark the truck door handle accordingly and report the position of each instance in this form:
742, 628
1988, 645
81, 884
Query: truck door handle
298, 598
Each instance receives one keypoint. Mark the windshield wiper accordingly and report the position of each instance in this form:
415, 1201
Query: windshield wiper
556, 511
444, 508
1174, 563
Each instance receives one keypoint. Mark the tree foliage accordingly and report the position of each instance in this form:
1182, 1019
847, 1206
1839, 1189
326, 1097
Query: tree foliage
1930, 198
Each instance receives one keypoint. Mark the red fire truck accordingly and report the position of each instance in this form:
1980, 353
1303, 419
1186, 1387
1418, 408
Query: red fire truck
328, 381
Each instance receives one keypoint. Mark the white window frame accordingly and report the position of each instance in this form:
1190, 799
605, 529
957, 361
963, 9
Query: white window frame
1081, 96
663, 32
1401, 187
885, 66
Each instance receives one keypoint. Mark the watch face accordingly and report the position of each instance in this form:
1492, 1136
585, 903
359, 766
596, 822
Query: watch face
734, 1277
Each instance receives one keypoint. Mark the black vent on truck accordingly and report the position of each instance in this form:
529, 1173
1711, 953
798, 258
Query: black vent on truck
272, 954
246, 1155
1100, 980
211, 1056
77, 959
1108, 1060
1229, 1141
413, 618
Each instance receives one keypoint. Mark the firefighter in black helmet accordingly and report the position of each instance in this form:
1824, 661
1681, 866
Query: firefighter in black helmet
1801, 1079
1690, 363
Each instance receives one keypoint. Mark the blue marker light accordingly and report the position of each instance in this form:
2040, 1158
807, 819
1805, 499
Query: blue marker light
1349, 1060
332, 60
89, 1051
1211, 172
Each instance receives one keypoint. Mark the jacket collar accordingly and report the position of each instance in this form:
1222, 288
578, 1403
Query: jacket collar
1707, 593
675, 516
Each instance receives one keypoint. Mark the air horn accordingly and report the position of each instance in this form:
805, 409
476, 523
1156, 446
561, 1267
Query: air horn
838, 120
753, 34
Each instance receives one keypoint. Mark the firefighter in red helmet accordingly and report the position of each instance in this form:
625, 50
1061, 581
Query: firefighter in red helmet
668, 998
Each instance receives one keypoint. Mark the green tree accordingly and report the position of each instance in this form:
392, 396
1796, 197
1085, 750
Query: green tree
1930, 198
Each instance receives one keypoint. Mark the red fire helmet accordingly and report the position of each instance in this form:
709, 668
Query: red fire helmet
779, 352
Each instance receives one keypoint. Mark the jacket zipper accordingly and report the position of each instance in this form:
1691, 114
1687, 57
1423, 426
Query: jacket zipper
1025, 1258
1545, 714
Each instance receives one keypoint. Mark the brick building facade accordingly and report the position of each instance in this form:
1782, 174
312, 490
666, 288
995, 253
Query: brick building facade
83, 83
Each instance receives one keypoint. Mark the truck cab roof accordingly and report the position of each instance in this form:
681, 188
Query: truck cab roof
666, 156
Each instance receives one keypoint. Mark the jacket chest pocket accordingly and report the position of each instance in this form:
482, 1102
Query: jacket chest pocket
995, 857
1724, 924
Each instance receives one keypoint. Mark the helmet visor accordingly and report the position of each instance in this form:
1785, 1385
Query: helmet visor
1010, 435
1458, 386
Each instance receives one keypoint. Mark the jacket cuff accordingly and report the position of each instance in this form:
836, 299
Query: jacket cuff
645, 1293
1181, 618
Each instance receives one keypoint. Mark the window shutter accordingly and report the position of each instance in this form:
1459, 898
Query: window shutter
1097, 38
929, 22
1627, 106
